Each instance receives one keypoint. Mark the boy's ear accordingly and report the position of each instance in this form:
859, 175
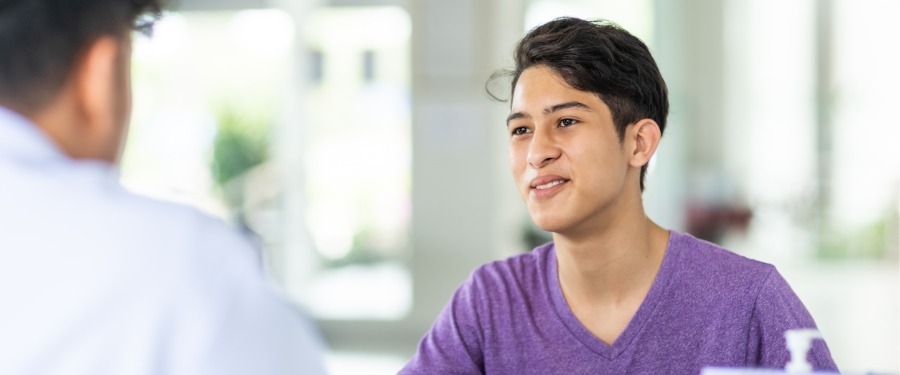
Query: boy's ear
94, 83
103, 98
644, 136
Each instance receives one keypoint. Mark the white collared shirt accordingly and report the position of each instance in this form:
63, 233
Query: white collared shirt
97, 280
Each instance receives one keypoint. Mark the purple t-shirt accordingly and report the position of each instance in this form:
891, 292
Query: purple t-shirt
706, 307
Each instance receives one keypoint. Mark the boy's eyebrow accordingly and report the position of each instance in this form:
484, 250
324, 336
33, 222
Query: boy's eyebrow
549, 110
516, 116
566, 105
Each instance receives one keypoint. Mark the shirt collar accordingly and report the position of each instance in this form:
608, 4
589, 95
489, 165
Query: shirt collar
21, 138
22, 142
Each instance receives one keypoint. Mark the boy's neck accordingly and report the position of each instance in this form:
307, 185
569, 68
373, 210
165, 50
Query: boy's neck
614, 262
605, 277
611, 257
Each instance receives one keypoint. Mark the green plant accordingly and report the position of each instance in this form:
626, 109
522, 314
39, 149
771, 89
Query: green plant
241, 143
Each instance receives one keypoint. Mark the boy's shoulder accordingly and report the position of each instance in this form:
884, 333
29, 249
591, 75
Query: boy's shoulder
526, 265
695, 253
707, 267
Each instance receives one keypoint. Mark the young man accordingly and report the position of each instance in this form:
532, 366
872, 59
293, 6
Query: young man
94, 279
614, 293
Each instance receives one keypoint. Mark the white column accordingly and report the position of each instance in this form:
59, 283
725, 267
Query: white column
294, 262
462, 192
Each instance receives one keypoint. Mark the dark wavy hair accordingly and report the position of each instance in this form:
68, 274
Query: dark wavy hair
40, 41
600, 57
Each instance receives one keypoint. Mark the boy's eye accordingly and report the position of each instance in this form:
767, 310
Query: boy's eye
520, 130
567, 122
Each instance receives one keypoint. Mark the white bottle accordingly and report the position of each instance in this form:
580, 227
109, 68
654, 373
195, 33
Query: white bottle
798, 343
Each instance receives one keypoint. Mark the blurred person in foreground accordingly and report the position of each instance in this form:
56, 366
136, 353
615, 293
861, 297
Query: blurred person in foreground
94, 279
614, 293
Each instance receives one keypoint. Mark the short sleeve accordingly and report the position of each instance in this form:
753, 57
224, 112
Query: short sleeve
778, 309
454, 343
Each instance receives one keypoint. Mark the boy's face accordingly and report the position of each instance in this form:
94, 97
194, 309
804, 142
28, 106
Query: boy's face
566, 157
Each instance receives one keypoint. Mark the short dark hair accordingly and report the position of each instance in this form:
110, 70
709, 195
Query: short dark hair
600, 57
40, 41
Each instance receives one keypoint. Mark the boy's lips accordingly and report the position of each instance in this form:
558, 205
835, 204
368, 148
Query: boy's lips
545, 186
542, 182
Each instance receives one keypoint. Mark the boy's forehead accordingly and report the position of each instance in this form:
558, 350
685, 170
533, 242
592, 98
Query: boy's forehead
543, 87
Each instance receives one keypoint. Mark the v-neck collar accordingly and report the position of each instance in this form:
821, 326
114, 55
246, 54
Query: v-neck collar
640, 319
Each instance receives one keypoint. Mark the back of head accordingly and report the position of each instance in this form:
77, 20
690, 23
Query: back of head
603, 58
40, 41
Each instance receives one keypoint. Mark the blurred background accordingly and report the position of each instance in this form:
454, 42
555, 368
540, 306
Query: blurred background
354, 142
